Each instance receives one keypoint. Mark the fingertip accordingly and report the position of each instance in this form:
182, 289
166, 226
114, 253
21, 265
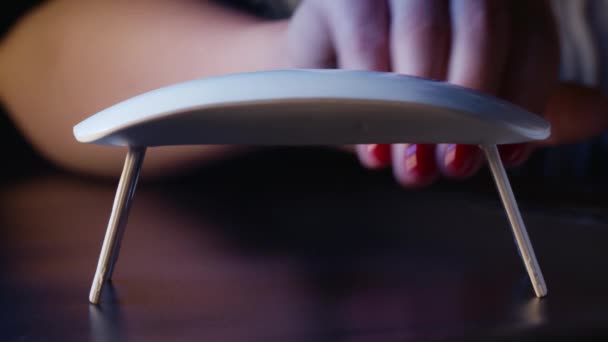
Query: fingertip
381, 153
513, 155
459, 161
414, 165
374, 156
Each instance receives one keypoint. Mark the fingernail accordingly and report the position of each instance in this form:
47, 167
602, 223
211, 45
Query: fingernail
513, 154
381, 153
461, 160
420, 164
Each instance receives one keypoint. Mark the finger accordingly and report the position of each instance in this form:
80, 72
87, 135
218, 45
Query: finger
532, 67
576, 113
374, 156
310, 46
420, 40
515, 154
420, 37
459, 161
360, 34
414, 165
480, 40
463, 161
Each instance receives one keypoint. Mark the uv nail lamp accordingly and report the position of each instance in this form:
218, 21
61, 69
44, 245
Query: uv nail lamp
308, 107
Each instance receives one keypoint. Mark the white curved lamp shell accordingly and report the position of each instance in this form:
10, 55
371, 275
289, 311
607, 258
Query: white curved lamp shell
308, 107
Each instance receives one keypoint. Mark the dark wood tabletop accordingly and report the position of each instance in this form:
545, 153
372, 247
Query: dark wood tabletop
298, 245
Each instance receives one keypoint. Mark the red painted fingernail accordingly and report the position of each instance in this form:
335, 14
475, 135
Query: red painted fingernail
381, 153
513, 154
461, 160
420, 162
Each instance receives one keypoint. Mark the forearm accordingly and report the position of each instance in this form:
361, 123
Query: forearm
70, 59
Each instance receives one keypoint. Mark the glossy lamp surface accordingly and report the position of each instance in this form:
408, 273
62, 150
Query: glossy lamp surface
306, 107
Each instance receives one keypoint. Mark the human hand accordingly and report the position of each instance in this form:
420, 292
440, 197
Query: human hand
504, 48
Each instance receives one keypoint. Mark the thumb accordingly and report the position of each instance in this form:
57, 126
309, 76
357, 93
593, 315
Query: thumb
576, 113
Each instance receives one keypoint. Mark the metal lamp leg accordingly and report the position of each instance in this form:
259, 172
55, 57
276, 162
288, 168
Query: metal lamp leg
517, 223
118, 220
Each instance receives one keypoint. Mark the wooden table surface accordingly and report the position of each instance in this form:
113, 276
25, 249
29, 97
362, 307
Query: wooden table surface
297, 246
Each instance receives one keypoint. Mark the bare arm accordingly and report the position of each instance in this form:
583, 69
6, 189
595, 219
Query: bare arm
70, 59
